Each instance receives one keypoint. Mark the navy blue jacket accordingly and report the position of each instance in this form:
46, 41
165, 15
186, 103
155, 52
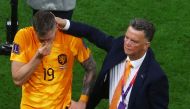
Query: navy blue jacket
150, 90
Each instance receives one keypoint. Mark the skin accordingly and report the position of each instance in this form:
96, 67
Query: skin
60, 22
21, 72
135, 43
88, 82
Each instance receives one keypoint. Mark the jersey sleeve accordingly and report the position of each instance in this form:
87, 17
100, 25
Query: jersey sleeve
18, 49
80, 50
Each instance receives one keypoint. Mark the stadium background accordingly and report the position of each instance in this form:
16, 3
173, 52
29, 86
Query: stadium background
171, 43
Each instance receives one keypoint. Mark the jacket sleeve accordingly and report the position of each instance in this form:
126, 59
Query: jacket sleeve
97, 37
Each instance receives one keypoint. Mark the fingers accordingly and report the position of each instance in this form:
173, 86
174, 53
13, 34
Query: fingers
45, 48
60, 22
73, 104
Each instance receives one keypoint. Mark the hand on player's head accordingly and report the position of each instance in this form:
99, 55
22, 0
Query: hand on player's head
60, 22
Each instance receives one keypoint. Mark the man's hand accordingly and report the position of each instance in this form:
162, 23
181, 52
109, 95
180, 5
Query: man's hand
45, 49
21, 72
60, 22
77, 105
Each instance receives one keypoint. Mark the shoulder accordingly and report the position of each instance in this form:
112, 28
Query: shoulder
155, 71
27, 29
25, 32
68, 39
120, 39
65, 36
117, 43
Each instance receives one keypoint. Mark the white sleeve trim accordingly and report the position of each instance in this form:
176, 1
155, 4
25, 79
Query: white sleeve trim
67, 25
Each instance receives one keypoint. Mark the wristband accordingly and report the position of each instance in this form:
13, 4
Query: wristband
84, 98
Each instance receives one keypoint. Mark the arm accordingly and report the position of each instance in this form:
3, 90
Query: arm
90, 75
97, 37
88, 83
21, 72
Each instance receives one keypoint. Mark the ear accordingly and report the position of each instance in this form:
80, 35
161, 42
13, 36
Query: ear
147, 45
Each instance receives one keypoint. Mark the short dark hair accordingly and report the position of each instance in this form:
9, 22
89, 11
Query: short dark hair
43, 22
144, 25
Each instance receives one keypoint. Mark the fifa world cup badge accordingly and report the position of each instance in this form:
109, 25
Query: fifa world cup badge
16, 48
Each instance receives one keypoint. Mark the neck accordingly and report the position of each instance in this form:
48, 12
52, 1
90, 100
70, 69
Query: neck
136, 57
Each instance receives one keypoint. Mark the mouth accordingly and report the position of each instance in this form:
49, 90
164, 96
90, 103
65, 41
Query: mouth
126, 48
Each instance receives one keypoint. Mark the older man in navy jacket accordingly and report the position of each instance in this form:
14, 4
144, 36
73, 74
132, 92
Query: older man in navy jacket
146, 86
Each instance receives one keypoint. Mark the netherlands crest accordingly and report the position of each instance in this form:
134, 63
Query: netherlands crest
62, 59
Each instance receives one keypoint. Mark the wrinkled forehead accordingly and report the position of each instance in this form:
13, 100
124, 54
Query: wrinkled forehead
131, 30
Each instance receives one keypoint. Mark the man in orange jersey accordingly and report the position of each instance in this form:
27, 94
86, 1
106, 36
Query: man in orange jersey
42, 61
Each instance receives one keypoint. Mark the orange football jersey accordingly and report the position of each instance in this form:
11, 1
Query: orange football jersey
50, 85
